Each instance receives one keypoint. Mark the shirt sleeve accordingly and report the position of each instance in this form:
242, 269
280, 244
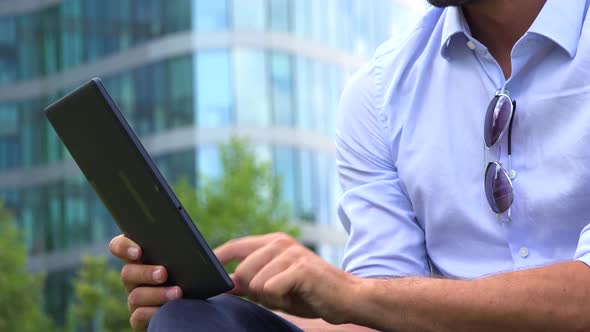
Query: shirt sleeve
385, 240
583, 251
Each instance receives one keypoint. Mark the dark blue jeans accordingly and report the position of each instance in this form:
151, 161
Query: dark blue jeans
221, 313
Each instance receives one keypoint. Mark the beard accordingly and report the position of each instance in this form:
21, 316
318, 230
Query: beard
449, 3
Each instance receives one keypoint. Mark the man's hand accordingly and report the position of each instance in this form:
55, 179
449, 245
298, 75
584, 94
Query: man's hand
280, 273
143, 300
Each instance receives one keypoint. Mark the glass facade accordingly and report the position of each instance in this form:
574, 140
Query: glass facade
260, 85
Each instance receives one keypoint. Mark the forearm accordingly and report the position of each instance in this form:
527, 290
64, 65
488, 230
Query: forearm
553, 298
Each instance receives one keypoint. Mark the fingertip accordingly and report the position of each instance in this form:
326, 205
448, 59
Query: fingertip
141, 317
159, 274
124, 248
133, 253
237, 290
174, 293
218, 252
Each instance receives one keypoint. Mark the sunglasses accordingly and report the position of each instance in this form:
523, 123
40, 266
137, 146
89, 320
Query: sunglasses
497, 180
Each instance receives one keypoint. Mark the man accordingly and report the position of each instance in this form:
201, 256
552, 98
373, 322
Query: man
513, 253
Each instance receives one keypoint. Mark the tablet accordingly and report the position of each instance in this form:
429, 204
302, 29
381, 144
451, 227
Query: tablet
131, 187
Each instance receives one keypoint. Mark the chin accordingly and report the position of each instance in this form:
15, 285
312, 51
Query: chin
449, 3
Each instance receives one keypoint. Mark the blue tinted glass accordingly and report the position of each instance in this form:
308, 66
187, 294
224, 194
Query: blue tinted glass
318, 20
7, 30
27, 224
177, 15
335, 190
208, 163
333, 30
213, 89
302, 18
282, 89
318, 91
304, 86
249, 15
9, 124
284, 165
180, 108
345, 23
252, 88
8, 55
280, 19
334, 88
323, 198
307, 202
210, 15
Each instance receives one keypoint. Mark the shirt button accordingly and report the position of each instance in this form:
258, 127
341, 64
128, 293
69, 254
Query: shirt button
523, 252
471, 45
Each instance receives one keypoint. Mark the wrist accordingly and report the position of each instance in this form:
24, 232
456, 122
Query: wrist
362, 300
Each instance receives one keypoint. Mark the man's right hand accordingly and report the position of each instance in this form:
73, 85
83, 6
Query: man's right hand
143, 300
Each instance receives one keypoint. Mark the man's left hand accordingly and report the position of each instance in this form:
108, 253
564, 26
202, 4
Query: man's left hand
280, 273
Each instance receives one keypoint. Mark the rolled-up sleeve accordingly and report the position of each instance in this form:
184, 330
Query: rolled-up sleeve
385, 240
583, 251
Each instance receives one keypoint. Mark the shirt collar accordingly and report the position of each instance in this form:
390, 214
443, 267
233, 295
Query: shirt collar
560, 21
453, 25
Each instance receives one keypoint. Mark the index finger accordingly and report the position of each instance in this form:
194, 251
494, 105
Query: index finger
241, 248
125, 249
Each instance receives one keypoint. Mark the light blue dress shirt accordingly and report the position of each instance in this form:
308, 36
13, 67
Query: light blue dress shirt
411, 156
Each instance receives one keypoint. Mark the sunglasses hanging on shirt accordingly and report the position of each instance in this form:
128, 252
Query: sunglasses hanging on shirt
497, 179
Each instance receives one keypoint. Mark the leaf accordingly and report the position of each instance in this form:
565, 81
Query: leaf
20, 291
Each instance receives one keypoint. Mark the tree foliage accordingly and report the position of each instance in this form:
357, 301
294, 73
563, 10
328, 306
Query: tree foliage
244, 200
20, 291
100, 299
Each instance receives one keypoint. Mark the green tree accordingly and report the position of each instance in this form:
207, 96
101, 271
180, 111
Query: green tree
20, 291
100, 299
245, 199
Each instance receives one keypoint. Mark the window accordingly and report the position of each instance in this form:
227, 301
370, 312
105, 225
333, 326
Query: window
249, 15
8, 47
304, 86
213, 84
180, 109
318, 20
332, 24
334, 89
7, 30
279, 15
302, 18
210, 15
318, 89
252, 95
321, 185
282, 89
209, 165
284, 165
176, 15
308, 182
8, 120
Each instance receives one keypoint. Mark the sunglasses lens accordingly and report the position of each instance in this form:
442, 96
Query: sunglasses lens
498, 188
497, 119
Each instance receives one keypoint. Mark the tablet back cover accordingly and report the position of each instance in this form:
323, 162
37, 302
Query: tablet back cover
133, 190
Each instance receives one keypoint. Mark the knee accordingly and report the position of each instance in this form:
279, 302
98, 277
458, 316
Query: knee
193, 315
169, 310
174, 316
